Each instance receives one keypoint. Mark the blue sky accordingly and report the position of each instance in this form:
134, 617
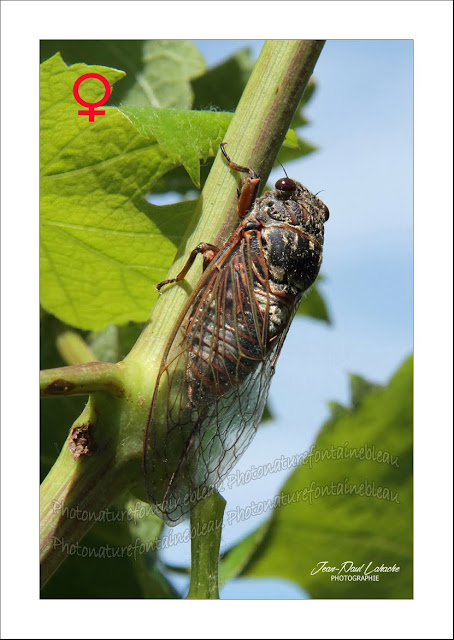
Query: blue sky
362, 122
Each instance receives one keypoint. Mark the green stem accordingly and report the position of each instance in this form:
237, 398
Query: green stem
83, 379
72, 499
206, 529
79, 487
73, 348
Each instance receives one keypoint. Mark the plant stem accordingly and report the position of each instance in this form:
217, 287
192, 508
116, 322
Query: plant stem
72, 499
83, 379
73, 348
206, 528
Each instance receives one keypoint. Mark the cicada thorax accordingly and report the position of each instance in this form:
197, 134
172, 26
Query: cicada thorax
215, 374
292, 237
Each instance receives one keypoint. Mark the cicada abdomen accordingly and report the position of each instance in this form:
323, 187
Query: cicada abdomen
217, 366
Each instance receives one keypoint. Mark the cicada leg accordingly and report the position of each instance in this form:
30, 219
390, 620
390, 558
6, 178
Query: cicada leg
250, 188
246, 198
207, 250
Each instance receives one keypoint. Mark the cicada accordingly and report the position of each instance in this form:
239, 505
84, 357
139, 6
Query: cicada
217, 365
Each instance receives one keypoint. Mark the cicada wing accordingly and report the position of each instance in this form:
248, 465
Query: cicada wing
169, 410
212, 385
228, 427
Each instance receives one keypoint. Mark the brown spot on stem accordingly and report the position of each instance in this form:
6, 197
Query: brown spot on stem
59, 386
81, 441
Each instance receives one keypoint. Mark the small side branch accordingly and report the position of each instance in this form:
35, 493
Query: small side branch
73, 348
83, 379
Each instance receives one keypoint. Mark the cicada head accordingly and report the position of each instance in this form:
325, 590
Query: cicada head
298, 206
293, 221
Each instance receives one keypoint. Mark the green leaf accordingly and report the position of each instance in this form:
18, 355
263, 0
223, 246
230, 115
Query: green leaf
115, 559
184, 136
95, 569
313, 305
297, 149
360, 389
164, 80
291, 140
158, 72
221, 87
267, 415
178, 180
350, 500
103, 247
235, 561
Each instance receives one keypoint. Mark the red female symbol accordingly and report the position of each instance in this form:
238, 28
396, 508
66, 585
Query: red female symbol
91, 113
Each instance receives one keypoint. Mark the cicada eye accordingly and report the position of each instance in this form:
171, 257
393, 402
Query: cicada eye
326, 210
285, 184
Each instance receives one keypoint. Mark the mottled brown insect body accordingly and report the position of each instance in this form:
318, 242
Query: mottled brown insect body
215, 374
